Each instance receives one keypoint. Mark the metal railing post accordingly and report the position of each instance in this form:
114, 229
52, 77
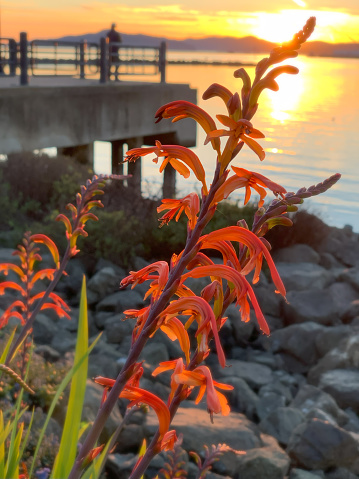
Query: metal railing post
83, 45
24, 79
162, 61
103, 60
12, 57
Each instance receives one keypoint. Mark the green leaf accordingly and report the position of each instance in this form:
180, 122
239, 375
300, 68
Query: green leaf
59, 391
7, 347
68, 445
14, 457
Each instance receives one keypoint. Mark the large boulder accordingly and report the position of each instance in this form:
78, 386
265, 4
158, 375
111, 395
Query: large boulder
303, 276
317, 444
297, 253
281, 423
195, 424
267, 462
312, 305
255, 375
342, 384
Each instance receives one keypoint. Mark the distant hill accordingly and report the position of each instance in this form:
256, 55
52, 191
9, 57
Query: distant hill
225, 44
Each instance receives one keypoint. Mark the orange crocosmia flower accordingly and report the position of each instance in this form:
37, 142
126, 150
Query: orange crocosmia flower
180, 157
201, 376
176, 365
184, 109
189, 204
255, 247
241, 130
144, 274
174, 329
141, 315
242, 289
247, 179
137, 395
193, 306
169, 440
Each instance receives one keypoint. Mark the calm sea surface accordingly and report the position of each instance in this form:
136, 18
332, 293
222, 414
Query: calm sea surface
311, 126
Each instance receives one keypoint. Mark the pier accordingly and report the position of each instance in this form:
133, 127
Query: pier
71, 112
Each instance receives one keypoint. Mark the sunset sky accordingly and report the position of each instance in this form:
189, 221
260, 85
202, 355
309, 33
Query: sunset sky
276, 20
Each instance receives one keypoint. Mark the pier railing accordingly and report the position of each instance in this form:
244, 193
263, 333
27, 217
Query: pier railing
104, 61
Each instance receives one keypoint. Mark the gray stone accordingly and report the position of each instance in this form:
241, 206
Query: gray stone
120, 465
345, 356
310, 398
302, 474
317, 444
340, 473
263, 357
47, 352
155, 353
117, 328
269, 302
313, 305
342, 384
299, 340
343, 294
45, 329
330, 338
351, 311
351, 276
120, 301
268, 462
194, 423
303, 276
242, 331
328, 261
255, 375
130, 438
268, 403
242, 397
63, 341
103, 282
297, 253
281, 422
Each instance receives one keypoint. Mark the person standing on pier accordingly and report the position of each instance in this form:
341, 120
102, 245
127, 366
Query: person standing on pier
114, 37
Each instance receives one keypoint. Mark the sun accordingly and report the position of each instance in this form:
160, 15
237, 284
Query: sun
279, 27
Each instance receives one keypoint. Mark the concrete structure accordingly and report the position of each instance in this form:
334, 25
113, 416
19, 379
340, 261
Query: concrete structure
71, 114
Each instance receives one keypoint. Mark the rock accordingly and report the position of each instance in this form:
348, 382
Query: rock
343, 294
242, 397
297, 253
344, 247
64, 341
351, 311
312, 305
302, 474
317, 444
351, 276
120, 301
310, 398
345, 356
119, 466
45, 329
299, 340
242, 331
130, 438
117, 328
303, 276
70, 285
340, 473
328, 261
268, 462
194, 423
281, 422
263, 357
255, 375
330, 338
155, 353
47, 352
342, 384
269, 301
268, 403
103, 282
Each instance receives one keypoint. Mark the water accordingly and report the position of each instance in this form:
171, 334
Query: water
311, 127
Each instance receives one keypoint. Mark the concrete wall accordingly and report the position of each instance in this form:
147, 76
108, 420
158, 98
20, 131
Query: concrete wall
35, 117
